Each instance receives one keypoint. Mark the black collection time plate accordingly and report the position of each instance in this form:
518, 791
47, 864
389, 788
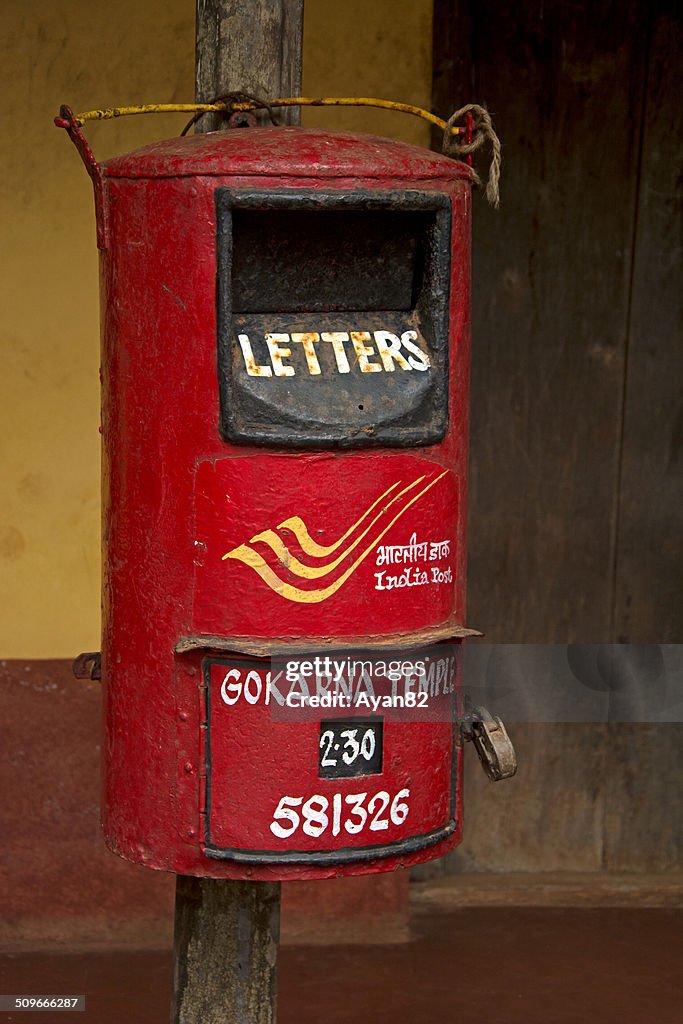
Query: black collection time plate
350, 747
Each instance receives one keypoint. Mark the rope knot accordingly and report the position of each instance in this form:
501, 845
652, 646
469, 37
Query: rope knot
483, 132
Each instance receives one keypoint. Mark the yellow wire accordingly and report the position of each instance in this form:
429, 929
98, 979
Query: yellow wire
287, 101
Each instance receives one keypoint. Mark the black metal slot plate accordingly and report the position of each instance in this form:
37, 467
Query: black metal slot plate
333, 317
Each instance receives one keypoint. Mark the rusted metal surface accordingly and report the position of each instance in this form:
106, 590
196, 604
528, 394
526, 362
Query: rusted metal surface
279, 645
88, 666
490, 739
242, 119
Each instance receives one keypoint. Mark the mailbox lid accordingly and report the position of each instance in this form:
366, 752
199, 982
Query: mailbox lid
296, 152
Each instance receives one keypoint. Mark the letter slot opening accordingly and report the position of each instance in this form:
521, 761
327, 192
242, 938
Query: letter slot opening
333, 317
308, 261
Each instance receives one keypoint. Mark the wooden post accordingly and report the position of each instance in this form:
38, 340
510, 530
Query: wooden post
254, 47
225, 951
226, 933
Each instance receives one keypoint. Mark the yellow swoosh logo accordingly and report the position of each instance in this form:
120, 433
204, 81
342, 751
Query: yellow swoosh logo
246, 554
306, 542
315, 572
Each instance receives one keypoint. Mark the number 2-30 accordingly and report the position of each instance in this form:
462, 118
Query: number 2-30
351, 749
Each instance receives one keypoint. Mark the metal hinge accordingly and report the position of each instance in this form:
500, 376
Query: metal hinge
88, 666
491, 742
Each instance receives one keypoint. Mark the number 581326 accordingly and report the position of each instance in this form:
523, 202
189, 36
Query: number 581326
349, 812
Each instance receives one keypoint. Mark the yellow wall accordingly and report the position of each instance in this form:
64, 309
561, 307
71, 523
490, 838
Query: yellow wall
90, 55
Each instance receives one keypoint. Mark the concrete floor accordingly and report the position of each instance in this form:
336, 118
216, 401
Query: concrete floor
486, 965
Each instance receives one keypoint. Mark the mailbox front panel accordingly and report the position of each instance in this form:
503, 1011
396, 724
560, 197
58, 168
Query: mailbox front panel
355, 784
285, 368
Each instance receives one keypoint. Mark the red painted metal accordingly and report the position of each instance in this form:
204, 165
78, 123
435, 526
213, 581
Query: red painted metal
178, 498
374, 601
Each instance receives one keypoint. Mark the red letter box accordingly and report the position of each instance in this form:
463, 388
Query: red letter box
284, 411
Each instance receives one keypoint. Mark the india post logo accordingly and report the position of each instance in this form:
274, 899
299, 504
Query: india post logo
324, 569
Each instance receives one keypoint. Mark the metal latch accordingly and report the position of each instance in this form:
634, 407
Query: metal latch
88, 666
491, 742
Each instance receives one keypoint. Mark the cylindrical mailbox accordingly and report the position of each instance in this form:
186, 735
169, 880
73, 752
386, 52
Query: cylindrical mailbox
284, 413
